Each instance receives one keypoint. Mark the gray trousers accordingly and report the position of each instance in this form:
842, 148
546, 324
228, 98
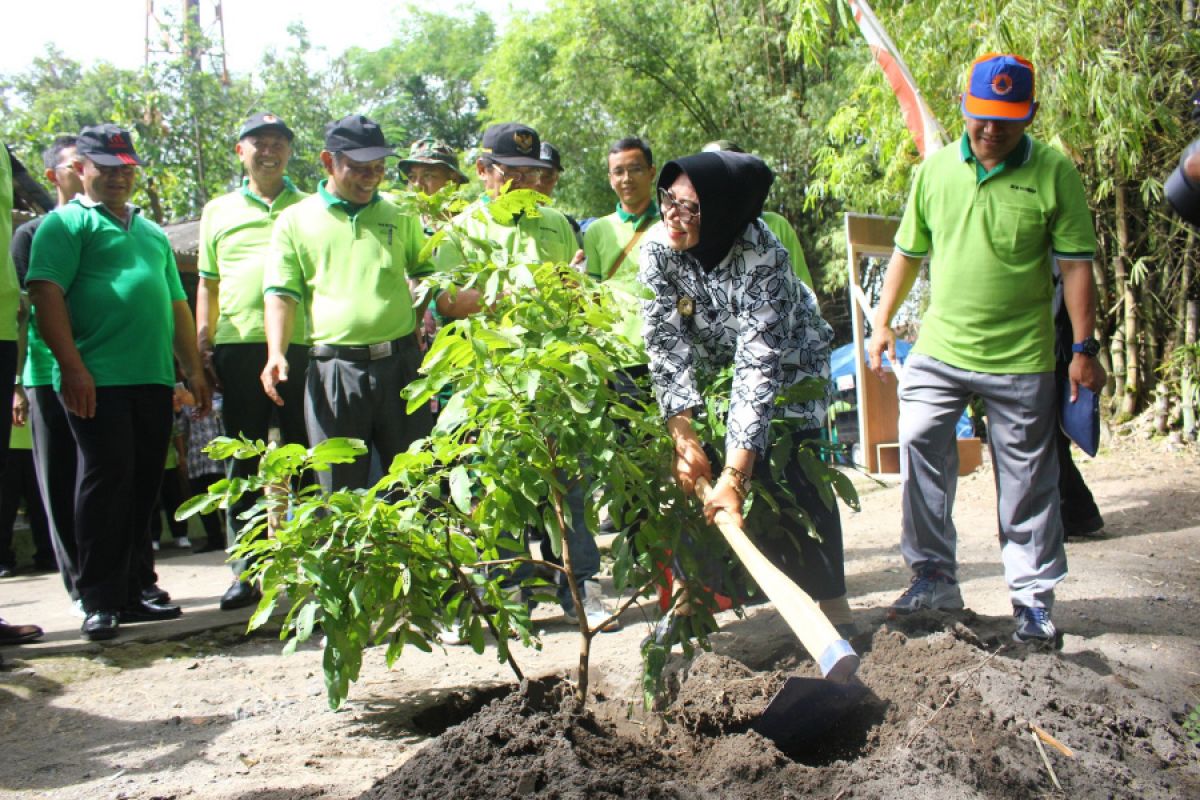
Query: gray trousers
361, 400
1022, 417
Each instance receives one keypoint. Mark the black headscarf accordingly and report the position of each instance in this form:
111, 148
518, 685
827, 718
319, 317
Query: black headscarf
732, 188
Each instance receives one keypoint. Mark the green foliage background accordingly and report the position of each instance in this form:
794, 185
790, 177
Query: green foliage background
790, 80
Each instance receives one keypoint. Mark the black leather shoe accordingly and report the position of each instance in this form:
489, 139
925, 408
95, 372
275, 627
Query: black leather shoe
154, 594
143, 611
101, 625
239, 595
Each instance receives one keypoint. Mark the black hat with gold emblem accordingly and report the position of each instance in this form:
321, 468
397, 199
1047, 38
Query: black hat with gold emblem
513, 145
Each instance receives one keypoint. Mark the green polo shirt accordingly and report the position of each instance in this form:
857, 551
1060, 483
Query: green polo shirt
39, 361
348, 267
990, 236
606, 238
235, 237
603, 243
10, 290
786, 234
119, 285
546, 237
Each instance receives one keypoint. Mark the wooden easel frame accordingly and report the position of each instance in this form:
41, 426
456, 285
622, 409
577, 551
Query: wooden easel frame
869, 235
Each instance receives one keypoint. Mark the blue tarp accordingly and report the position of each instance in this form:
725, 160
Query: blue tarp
841, 362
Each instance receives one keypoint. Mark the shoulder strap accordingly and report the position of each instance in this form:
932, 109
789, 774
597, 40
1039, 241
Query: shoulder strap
633, 240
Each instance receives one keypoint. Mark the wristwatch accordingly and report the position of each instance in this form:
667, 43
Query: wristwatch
1089, 347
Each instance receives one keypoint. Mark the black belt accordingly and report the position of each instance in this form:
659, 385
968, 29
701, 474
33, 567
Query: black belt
362, 352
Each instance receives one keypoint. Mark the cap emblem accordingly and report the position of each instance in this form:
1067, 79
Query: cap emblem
1002, 84
523, 142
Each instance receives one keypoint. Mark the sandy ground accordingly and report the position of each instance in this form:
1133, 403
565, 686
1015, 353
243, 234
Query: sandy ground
195, 709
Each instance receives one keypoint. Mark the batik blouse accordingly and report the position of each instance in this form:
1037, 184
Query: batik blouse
749, 311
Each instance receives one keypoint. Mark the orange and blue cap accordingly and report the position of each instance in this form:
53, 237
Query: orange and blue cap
999, 86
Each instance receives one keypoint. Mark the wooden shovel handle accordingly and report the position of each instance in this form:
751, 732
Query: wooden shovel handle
833, 654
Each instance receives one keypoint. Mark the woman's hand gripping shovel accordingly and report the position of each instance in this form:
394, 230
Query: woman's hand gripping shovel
805, 707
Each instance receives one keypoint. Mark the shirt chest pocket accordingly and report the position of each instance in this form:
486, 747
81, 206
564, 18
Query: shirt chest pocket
1018, 232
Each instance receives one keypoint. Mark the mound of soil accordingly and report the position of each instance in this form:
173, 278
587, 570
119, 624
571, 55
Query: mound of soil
951, 708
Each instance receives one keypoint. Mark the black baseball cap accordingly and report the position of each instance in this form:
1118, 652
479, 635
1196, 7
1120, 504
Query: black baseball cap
549, 154
264, 121
514, 145
107, 145
358, 138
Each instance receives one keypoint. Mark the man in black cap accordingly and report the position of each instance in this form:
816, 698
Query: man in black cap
235, 235
345, 256
510, 158
111, 308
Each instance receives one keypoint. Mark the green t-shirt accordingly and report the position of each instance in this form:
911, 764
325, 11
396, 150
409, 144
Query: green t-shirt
235, 237
39, 361
119, 285
786, 234
990, 236
347, 267
603, 242
10, 290
546, 237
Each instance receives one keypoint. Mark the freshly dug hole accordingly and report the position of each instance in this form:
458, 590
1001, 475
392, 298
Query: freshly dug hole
905, 739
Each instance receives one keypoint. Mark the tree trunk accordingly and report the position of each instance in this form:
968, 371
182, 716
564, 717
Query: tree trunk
1128, 399
1188, 378
1187, 336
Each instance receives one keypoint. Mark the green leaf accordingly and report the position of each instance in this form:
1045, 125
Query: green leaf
460, 489
338, 450
305, 620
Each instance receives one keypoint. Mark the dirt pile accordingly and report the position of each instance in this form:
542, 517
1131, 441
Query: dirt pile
950, 709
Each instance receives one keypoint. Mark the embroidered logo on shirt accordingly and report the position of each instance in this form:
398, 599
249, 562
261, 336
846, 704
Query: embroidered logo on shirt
390, 228
1028, 189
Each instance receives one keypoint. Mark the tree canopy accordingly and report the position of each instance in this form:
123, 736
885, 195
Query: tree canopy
790, 80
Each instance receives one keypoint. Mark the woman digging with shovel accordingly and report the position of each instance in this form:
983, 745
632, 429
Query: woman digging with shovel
724, 293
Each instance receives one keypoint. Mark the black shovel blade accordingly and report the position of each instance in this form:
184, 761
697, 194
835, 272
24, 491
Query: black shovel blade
805, 708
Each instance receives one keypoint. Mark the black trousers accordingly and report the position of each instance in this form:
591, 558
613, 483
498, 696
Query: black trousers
19, 485
121, 451
248, 412
170, 496
54, 460
8, 366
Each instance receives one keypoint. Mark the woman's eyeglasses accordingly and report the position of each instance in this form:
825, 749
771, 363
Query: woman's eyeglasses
686, 211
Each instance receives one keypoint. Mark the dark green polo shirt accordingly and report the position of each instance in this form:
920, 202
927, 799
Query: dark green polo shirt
120, 284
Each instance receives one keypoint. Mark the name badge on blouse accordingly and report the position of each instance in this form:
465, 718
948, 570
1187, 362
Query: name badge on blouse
686, 306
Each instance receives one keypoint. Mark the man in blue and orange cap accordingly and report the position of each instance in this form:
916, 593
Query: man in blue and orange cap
990, 214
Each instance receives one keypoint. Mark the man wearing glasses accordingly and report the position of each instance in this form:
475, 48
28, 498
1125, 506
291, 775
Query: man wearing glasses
612, 243
346, 254
509, 159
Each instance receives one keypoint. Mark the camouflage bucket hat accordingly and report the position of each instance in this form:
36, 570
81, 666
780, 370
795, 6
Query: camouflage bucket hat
432, 151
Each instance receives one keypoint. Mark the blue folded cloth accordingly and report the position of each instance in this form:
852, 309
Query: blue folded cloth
1080, 420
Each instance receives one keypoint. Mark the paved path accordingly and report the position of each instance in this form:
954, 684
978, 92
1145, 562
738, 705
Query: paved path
196, 582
